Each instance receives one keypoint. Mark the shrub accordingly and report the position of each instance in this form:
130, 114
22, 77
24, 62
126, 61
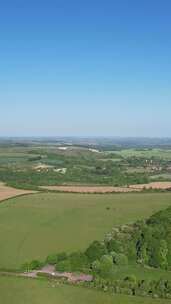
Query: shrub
52, 259
159, 253
115, 245
35, 264
96, 266
55, 258
106, 269
95, 251
120, 259
63, 266
25, 267
61, 256
78, 261
131, 278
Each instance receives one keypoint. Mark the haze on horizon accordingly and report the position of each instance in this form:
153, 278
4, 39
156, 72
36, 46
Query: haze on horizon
93, 68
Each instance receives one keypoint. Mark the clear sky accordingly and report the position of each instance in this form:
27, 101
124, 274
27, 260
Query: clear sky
85, 67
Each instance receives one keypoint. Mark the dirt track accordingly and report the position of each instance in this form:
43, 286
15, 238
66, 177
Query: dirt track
8, 192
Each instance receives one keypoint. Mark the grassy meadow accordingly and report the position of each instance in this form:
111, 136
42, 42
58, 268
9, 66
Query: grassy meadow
141, 273
146, 153
20, 290
34, 226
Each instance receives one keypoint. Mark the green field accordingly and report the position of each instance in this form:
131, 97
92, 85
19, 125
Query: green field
34, 226
18, 291
147, 153
141, 273
29, 166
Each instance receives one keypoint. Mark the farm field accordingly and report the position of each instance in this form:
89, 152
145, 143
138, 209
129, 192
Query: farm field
91, 189
147, 153
31, 164
18, 291
33, 226
154, 186
8, 192
49, 221
105, 189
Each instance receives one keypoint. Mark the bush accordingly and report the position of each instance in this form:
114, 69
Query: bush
78, 261
95, 251
61, 256
106, 269
115, 245
131, 279
52, 259
119, 259
25, 267
63, 266
33, 265
55, 258
96, 266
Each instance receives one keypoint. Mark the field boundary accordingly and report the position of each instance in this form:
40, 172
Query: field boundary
155, 187
19, 195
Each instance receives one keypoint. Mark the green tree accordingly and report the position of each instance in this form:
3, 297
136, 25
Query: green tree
55, 258
142, 254
96, 266
78, 261
63, 266
163, 251
106, 266
119, 258
95, 251
51, 259
35, 264
159, 255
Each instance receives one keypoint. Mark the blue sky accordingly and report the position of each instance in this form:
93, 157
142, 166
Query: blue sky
94, 67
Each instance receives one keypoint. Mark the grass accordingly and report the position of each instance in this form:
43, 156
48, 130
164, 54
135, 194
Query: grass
162, 176
146, 153
34, 226
19, 290
141, 273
